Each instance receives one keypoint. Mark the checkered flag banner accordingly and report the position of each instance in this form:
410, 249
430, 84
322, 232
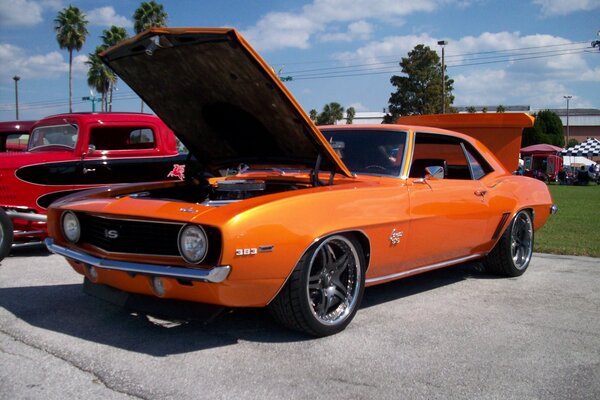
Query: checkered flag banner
589, 148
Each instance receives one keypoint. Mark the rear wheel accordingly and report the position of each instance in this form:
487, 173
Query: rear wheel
6, 234
325, 289
512, 253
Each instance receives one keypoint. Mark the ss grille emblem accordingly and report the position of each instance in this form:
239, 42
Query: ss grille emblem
111, 233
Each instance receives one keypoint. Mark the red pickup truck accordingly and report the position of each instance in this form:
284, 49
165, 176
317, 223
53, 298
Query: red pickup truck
67, 153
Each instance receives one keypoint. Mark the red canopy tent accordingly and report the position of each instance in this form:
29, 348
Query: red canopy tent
539, 149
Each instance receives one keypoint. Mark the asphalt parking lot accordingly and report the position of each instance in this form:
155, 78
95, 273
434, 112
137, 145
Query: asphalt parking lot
448, 334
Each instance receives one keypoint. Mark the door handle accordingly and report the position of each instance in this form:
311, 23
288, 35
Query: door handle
480, 193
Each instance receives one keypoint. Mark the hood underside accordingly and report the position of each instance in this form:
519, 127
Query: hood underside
220, 98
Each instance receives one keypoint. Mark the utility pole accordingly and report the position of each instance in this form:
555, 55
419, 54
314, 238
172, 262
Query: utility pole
93, 99
568, 97
16, 78
443, 43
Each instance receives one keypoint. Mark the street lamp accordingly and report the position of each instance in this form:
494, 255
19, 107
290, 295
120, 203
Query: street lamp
443, 43
16, 78
568, 97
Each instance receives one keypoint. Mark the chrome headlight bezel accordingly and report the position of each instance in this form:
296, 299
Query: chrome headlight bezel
71, 233
192, 243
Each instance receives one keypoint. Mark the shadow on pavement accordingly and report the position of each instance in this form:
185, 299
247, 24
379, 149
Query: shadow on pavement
67, 310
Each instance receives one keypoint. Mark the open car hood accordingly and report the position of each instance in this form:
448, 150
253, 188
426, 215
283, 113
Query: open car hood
221, 99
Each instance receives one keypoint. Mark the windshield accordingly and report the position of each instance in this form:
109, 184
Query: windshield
57, 135
369, 151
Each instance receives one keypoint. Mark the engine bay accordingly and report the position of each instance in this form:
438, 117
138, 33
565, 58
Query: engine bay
220, 192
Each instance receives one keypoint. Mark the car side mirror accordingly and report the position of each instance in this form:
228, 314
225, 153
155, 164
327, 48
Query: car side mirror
434, 172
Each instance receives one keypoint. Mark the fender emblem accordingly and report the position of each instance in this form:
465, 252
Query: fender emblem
177, 172
395, 237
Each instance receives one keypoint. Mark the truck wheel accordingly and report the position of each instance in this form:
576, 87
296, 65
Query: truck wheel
6, 234
512, 253
325, 289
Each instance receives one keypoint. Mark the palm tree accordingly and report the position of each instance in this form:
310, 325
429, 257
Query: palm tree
148, 15
111, 37
350, 113
100, 77
70, 27
331, 113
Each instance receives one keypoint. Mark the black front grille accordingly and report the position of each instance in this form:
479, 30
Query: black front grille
130, 236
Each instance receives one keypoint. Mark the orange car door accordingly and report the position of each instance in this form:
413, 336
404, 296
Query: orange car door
448, 213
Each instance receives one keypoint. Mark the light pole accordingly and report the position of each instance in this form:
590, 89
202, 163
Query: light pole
16, 78
568, 97
443, 43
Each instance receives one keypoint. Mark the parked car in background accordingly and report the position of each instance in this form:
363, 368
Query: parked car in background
14, 135
67, 153
281, 214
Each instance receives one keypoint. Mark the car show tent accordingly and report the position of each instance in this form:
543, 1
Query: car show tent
589, 148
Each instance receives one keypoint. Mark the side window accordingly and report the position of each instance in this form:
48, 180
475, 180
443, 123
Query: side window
122, 138
479, 168
439, 150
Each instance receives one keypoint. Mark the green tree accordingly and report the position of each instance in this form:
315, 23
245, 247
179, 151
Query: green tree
500, 109
149, 14
547, 128
111, 37
350, 113
99, 76
572, 143
331, 113
471, 109
419, 90
70, 26
313, 114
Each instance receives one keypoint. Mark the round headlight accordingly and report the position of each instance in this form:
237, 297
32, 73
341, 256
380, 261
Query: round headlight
70, 227
193, 243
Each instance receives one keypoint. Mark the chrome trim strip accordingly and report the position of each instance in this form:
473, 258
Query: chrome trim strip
27, 216
424, 269
215, 274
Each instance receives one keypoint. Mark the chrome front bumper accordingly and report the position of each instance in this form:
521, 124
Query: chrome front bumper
215, 275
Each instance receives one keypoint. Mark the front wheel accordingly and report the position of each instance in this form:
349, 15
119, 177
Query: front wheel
512, 253
325, 289
6, 234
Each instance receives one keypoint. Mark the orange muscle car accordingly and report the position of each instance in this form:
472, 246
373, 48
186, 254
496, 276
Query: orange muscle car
274, 212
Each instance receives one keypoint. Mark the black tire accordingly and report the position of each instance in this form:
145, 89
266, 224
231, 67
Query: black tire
6, 234
325, 289
512, 253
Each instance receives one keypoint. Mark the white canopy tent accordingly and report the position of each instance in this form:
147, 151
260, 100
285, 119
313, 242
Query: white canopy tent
577, 160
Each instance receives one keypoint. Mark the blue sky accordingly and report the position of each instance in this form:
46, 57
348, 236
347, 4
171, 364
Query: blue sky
524, 52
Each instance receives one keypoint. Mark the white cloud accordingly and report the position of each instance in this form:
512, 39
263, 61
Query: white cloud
357, 30
40, 66
565, 7
506, 67
106, 16
277, 30
20, 13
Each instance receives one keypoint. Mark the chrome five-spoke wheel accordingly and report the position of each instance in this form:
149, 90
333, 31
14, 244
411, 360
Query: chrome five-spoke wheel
334, 280
512, 253
325, 289
521, 245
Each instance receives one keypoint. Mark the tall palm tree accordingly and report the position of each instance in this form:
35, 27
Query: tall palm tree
100, 77
70, 27
111, 37
148, 15
331, 113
